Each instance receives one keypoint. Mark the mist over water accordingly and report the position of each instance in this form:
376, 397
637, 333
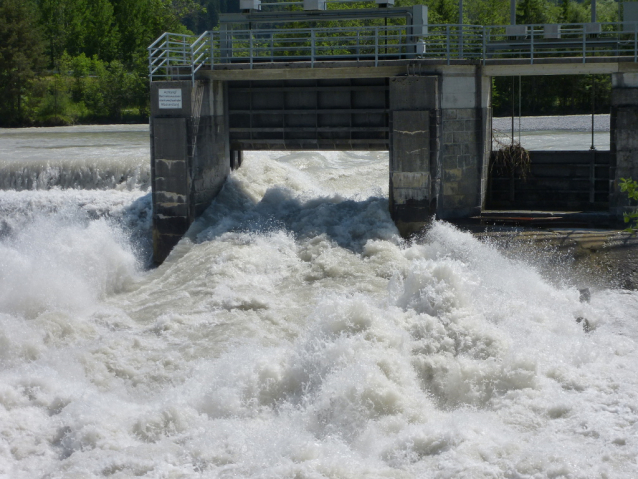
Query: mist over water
293, 333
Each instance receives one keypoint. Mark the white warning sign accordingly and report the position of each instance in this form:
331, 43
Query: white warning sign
170, 98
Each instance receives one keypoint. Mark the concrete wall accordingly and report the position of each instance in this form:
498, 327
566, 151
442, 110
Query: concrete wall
211, 159
624, 136
189, 156
465, 143
414, 151
439, 146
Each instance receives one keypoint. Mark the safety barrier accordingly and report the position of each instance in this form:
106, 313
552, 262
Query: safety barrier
177, 56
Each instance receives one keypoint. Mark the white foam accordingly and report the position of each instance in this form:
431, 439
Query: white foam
86, 157
292, 333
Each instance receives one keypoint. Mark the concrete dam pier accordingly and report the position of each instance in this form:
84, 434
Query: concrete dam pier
432, 113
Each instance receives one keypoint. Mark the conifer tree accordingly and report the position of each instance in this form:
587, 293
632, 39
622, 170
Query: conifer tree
20, 57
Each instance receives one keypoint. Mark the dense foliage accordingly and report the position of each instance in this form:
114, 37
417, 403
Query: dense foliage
79, 61
630, 187
69, 61
20, 58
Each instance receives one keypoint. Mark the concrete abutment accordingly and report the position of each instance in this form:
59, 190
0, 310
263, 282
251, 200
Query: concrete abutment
190, 157
440, 145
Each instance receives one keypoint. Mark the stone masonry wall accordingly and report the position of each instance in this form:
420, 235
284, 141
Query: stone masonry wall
461, 161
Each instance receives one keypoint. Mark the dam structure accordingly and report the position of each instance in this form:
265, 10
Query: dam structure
308, 80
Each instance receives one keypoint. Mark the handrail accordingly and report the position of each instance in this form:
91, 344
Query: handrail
181, 56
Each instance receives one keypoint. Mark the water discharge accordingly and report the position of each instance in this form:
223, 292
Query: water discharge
293, 333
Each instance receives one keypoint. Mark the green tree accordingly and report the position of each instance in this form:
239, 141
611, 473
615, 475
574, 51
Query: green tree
487, 12
142, 21
572, 12
607, 11
102, 33
629, 186
536, 11
443, 11
21, 56
207, 18
63, 22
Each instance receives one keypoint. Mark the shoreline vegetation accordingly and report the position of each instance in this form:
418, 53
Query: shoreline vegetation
78, 62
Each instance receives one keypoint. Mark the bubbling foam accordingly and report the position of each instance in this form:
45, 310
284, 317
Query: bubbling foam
90, 173
62, 263
293, 333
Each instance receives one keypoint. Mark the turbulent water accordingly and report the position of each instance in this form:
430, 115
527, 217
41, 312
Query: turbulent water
291, 334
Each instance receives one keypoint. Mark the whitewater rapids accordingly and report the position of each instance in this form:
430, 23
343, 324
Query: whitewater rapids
293, 334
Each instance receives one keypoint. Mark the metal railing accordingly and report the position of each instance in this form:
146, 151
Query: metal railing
176, 56
580, 40
169, 54
361, 43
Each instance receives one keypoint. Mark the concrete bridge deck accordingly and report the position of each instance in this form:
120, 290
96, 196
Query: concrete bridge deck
389, 68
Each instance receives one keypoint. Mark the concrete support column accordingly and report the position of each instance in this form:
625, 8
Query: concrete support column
440, 139
624, 137
189, 156
465, 142
414, 175
236, 158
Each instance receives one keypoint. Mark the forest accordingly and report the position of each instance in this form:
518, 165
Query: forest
66, 62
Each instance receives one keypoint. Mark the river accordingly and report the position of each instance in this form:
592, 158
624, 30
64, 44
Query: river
292, 333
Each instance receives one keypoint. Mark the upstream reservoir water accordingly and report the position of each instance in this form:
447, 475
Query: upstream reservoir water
292, 333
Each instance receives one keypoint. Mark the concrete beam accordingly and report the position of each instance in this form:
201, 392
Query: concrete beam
458, 90
424, 67
303, 73
335, 69
541, 67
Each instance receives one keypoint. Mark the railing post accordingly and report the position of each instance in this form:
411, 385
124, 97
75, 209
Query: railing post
212, 50
447, 43
272, 47
312, 48
635, 42
484, 45
376, 46
185, 56
358, 50
150, 64
592, 176
531, 47
250, 51
584, 44
192, 66
460, 42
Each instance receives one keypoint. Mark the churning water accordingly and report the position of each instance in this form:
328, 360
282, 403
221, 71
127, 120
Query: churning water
291, 334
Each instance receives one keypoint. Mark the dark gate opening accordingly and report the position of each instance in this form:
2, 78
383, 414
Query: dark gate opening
327, 114
557, 180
